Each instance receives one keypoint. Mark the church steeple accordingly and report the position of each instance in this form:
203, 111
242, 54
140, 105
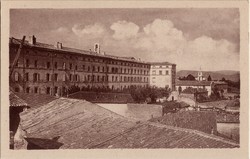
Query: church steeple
200, 76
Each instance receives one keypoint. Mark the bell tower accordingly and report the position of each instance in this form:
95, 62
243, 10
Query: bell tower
200, 76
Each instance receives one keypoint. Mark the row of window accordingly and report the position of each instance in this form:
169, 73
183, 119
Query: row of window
160, 72
89, 69
56, 91
98, 60
162, 66
76, 78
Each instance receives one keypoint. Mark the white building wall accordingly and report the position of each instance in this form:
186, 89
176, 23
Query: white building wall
161, 76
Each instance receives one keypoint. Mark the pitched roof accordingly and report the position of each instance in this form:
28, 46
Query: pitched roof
77, 123
154, 135
161, 63
36, 100
73, 50
16, 101
192, 83
81, 124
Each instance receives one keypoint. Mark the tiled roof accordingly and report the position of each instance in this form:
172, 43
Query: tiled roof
192, 83
161, 63
77, 123
154, 135
16, 101
73, 50
81, 124
36, 100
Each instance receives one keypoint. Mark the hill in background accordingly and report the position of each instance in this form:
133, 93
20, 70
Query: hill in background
215, 75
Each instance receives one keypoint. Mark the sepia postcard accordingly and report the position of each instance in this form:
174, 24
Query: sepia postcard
124, 79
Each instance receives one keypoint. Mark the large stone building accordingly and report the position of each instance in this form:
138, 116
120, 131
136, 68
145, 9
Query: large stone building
52, 69
163, 74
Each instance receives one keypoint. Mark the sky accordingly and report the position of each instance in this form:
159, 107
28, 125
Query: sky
191, 38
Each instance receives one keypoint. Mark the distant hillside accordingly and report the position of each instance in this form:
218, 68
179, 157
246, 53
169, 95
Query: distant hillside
215, 75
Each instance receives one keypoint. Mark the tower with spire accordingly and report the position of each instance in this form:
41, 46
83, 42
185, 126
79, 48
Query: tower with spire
200, 76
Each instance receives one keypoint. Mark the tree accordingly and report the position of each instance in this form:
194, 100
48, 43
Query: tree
190, 77
223, 79
179, 90
209, 78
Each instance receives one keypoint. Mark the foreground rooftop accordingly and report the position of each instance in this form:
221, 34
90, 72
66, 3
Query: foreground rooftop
77, 124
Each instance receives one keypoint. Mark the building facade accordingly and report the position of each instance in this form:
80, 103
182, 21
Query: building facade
52, 69
163, 74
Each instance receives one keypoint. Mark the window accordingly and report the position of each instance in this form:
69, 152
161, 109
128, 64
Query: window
83, 67
48, 64
70, 77
36, 90
16, 76
64, 77
88, 69
160, 72
35, 64
17, 63
154, 72
55, 65
98, 78
27, 89
26, 76
56, 76
64, 65
35, 77
167, 73
70, 66
93, 68
76, 78
48, 77
76, 67
98, 69
48, 90
27, 63
56, 90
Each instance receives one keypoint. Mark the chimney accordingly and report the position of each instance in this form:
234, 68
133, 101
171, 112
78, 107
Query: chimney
97, 48
59, 45
32, 40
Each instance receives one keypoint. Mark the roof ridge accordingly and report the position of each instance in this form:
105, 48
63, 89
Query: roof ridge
77, 50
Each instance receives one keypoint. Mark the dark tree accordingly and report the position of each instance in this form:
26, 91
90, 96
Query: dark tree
190, 77
223, 79
209, 78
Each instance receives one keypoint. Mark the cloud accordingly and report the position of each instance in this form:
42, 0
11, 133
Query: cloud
61, 30
89, 30
124, 30
161, 41
160, 35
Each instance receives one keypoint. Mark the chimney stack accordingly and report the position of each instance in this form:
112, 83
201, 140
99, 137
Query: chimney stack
97, 48
32, 40
59, 45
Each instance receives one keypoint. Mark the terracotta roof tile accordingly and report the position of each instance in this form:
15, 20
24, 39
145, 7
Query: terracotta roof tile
16, 101
81, 124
